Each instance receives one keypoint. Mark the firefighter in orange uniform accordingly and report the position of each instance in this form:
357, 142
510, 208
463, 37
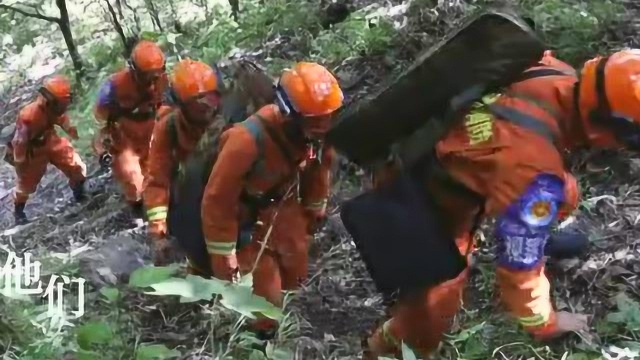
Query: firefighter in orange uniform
36, 144
195, 87
273, 164
513, 160
127, 105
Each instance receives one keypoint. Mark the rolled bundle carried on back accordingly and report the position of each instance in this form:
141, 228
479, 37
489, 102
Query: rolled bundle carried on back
486, 53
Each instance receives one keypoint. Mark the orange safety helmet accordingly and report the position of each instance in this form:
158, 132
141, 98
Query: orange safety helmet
58, 89
147, 56
192, 78
609, 98
308, 89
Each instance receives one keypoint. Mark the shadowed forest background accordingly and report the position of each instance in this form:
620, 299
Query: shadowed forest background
365, 43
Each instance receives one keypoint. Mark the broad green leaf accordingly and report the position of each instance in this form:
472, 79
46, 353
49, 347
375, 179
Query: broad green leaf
606, 327
257, 355
274, 353
155, 352
110, 293
149, 35
146, 276
237, 297
248, 339
629, 313
242, 300
173, 286
87, 355
474, 348
193, 288
407, 353
94, 332
246, 280
579, 356
632, 345
465, 334
171, 38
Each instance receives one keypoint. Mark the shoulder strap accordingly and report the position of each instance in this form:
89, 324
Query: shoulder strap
172, 132
172, 129
255, 128
277, 139
536, 73
524, 120
420, 144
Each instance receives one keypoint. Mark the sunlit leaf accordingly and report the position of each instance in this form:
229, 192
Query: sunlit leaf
95, 332
155, 352
192, 288
242, 300
110, 293
407, 353
278, 353
87, 355
145, 276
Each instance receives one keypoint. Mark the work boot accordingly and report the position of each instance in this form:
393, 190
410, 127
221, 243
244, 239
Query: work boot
264, 328
78, 191
376, 345
566, 245
265, 334
137, 209
19, 216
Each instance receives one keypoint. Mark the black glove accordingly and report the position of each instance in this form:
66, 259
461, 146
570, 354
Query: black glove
105, 160
566, 245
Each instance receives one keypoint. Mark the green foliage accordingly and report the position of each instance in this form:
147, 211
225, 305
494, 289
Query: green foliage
574, 29
237, 297
95, 332
628, 314
361, 35
155, 352
111, 294
407, 353
147, 276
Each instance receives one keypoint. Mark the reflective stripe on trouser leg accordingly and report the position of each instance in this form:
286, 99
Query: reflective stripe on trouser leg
20, 197
157, 213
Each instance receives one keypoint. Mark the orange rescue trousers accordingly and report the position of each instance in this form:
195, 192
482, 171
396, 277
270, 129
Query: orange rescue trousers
60, 153
283, 264
129, 168
421, 320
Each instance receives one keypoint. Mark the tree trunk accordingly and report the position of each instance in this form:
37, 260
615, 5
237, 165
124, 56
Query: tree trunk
154, 14
119, 7
136, 18
65, 27
116, 24
235, 8
172, 6
204, 4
